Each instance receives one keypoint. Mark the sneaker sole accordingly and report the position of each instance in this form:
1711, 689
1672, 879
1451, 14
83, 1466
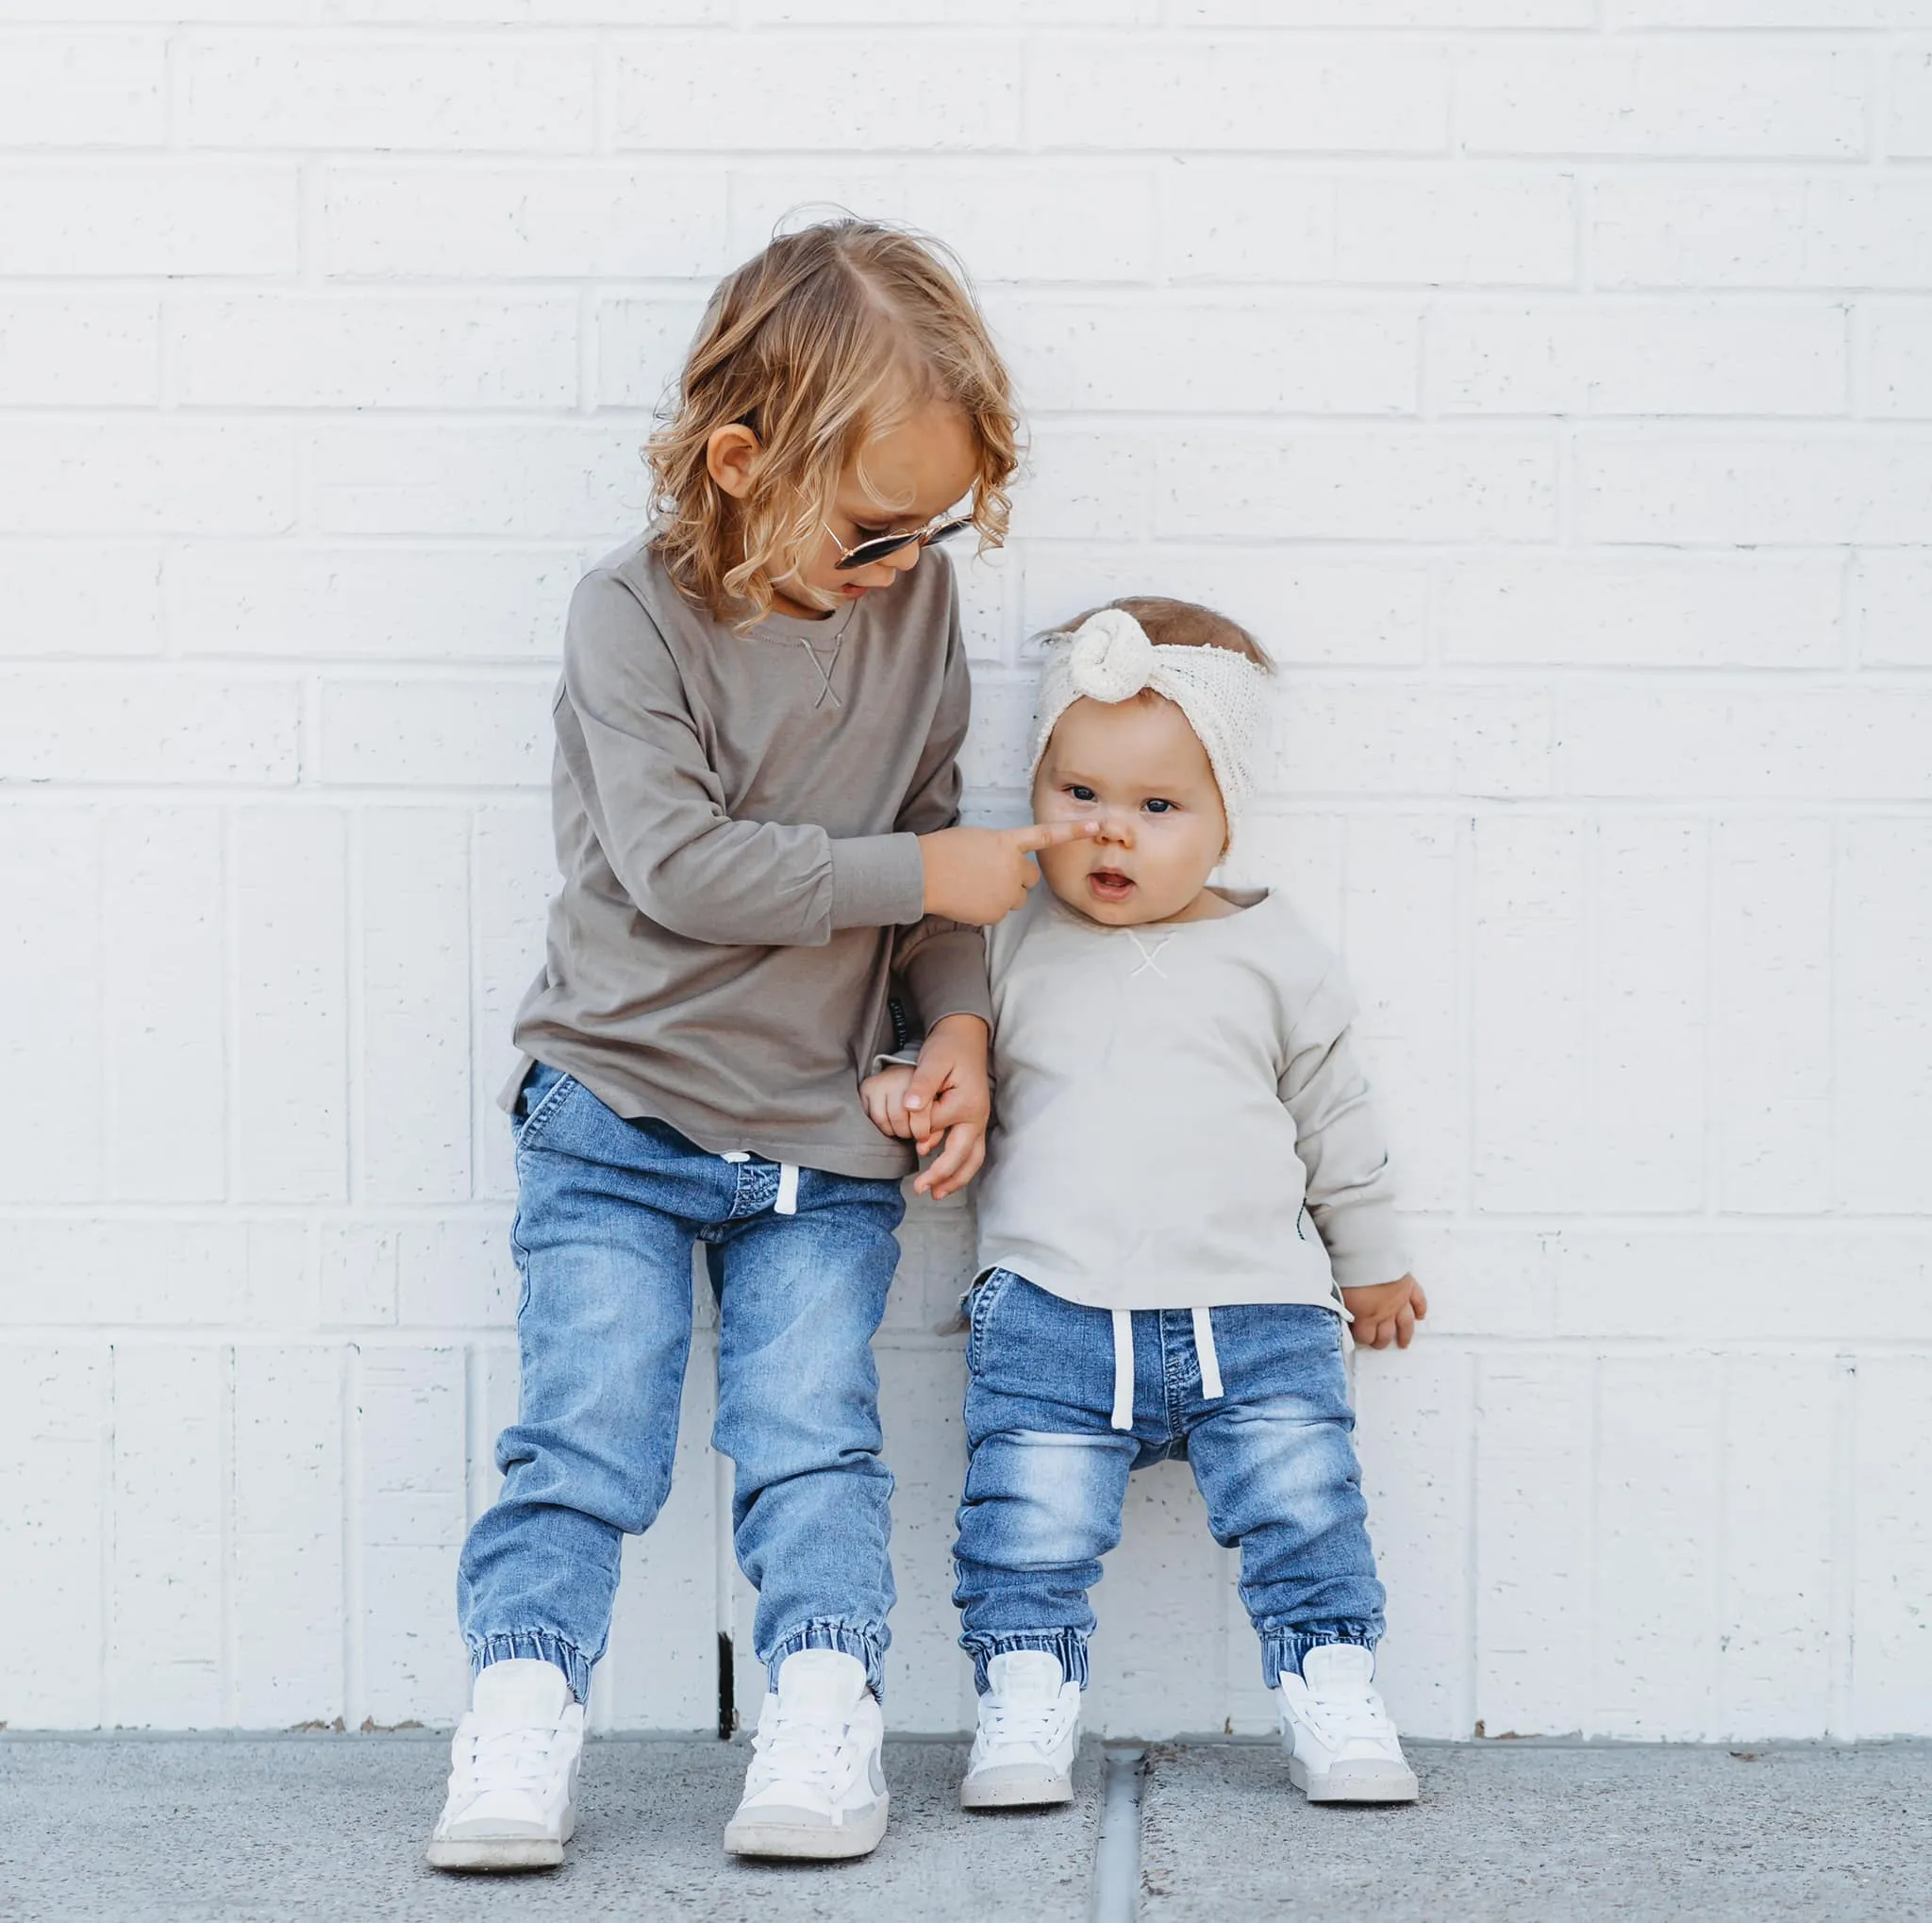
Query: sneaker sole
761, 1836
1378, 1786
1015, 1788
509, 1853
487, 1855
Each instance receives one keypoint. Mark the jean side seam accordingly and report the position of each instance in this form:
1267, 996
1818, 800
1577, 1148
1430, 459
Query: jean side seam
538, 1117
981, 1303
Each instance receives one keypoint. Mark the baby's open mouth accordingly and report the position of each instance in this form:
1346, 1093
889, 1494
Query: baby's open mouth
1109, 885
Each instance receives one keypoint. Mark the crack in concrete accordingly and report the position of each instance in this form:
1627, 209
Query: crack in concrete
1117, 1850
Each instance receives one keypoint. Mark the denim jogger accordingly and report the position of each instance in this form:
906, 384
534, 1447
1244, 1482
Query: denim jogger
1273, 1457
607, 1210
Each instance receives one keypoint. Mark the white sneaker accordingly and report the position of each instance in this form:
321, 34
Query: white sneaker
1341, 1745
1029, 1730
513, 1772
815, 1786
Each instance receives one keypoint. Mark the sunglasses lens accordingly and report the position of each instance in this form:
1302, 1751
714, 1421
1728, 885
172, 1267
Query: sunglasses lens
876, 549
882, 545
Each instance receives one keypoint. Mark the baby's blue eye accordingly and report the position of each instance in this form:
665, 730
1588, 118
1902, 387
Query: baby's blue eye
1080, 793
1158, 807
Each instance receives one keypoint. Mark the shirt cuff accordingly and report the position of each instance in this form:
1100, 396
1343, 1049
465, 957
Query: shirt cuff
878, 881
1364, 1243
947, 976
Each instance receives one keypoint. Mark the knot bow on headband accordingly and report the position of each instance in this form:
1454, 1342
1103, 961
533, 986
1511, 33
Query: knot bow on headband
1109, 658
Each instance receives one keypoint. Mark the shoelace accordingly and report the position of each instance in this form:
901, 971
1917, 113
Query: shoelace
802, 1750
506, 1759
1019, 1723
1350, 1717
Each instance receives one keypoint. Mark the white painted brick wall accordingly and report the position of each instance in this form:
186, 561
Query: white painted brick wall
1547, 381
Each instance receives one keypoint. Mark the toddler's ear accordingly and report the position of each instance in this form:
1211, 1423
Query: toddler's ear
729, 452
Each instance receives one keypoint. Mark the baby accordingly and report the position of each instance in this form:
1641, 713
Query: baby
1187, 1192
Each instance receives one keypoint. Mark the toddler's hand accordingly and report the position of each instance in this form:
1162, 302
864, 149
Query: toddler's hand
981, 875
946, 1098
1388, 1313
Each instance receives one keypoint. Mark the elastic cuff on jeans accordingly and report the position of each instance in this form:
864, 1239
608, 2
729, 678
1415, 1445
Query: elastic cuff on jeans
1282, 1649
1070, 1646
543, 1645
866, 1641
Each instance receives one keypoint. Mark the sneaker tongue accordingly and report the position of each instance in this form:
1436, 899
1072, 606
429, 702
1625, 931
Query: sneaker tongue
1026, 1676
521, 1693
820, 1682
1339, 1667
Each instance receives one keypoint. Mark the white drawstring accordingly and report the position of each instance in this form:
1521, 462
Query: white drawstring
1211, 1389
1123, 1369
787, 1203
1204, 1350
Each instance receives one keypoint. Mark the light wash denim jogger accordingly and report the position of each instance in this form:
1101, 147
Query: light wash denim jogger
606, 1212
1272, 1455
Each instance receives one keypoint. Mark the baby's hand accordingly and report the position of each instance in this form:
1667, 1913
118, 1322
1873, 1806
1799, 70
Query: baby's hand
1388, 1313
884, 1095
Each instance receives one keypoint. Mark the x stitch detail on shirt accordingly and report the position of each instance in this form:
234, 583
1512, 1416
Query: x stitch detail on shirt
825, 669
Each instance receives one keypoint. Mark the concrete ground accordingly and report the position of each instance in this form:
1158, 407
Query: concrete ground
1546, 1831
215, 1829
311, 1827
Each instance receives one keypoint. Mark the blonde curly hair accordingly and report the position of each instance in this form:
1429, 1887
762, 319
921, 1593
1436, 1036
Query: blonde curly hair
828, 339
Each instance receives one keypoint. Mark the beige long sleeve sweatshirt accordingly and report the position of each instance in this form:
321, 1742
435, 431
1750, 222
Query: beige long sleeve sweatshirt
1180, 1120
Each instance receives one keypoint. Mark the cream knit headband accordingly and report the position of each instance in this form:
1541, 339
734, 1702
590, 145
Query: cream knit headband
1108, 657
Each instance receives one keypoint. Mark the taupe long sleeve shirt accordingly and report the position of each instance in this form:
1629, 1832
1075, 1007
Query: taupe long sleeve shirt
735, 817
1180, 1121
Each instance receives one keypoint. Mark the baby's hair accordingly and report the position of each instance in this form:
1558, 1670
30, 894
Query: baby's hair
830, 337
1184, 624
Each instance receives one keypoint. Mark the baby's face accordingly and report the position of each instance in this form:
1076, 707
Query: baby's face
1138, 769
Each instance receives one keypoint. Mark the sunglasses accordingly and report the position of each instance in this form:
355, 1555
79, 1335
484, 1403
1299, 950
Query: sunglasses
880, 546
